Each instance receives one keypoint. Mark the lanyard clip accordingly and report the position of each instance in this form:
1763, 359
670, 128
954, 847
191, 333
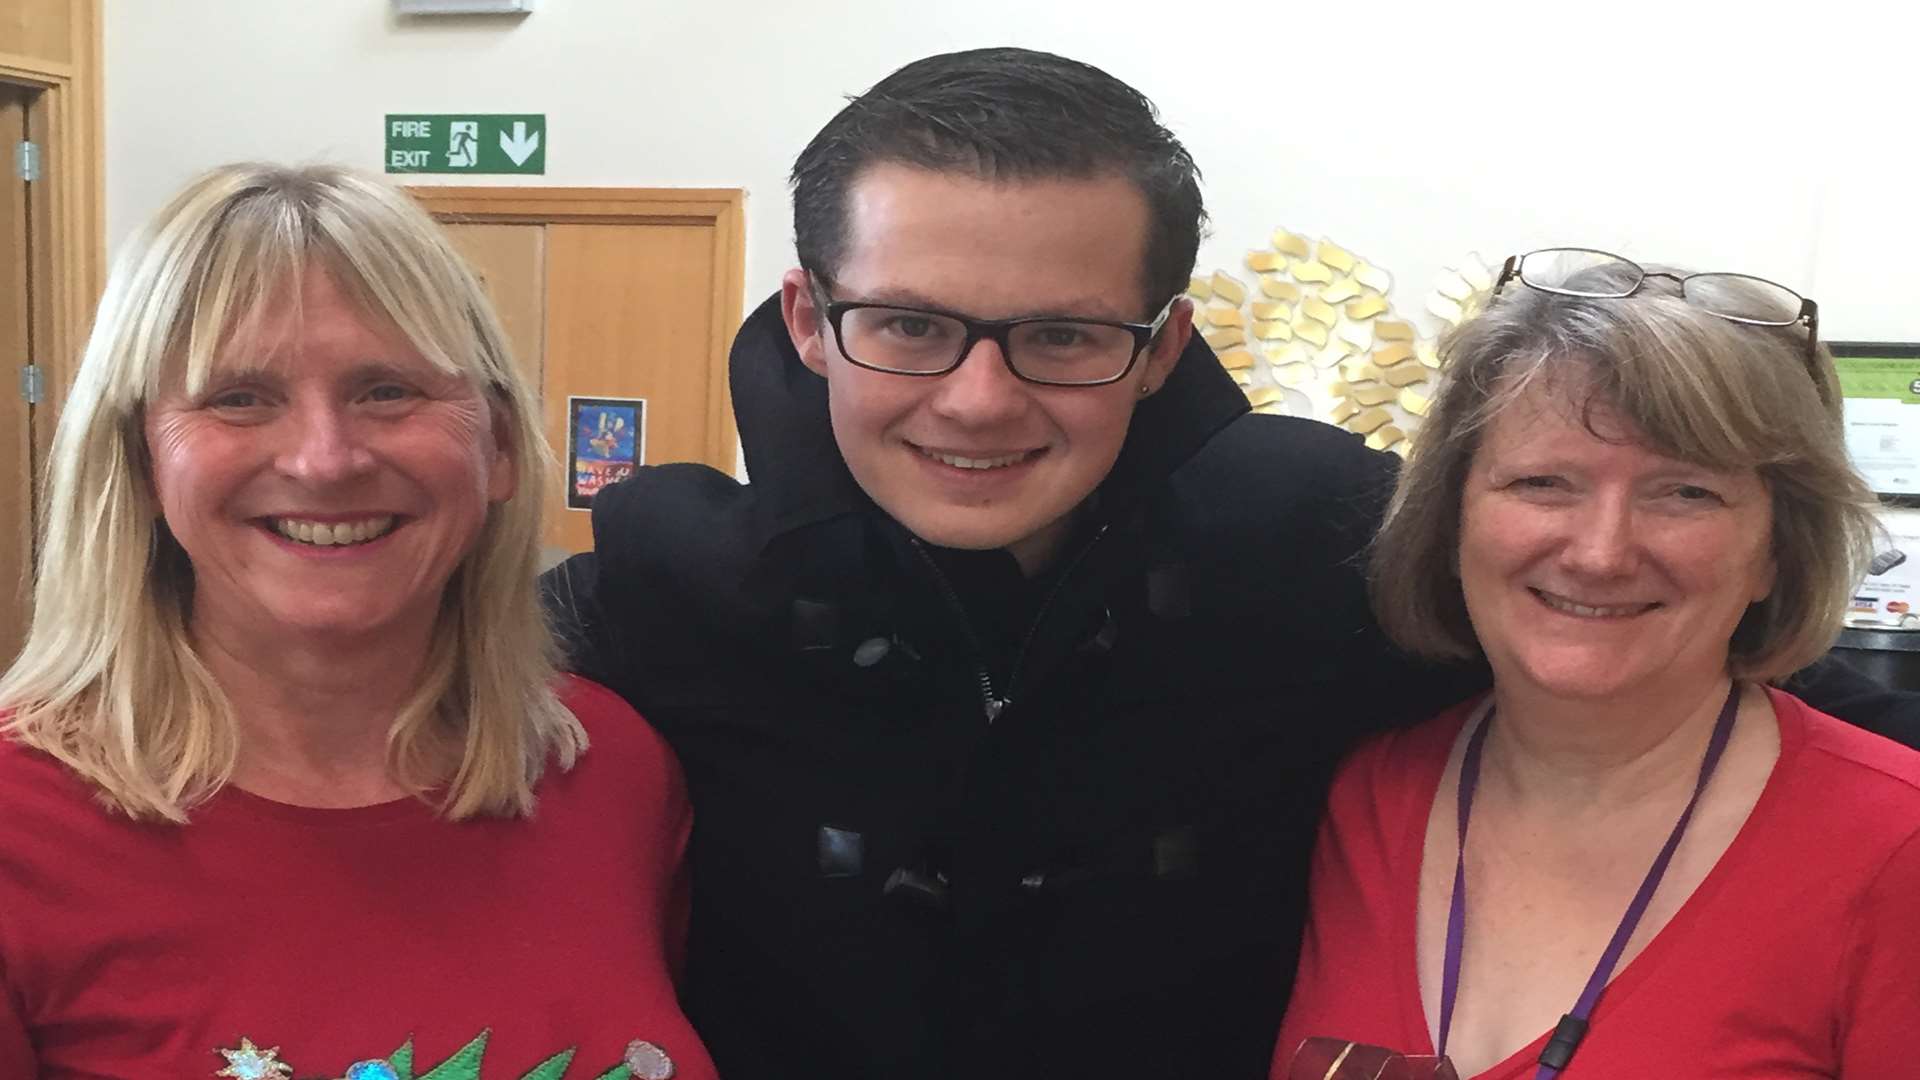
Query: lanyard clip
1564, 1041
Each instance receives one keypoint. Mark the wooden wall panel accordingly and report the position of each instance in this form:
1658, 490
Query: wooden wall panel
641, 299
43, 30
628, 315
511, 262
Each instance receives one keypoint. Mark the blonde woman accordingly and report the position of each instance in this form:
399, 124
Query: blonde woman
288, 783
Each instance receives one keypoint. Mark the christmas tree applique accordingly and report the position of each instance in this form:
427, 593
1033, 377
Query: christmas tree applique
644, 1061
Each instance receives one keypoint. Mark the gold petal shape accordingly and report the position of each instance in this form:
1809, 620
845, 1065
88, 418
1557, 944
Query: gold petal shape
1447, 309
1357, 334
1308, 270
1341, 291
1477, 274
1229, 288
1224, 337
1294, 353
1388, 355
1235, 359
1335, 256
1334, 352
1266, 261
1310, 330
1292, 374
1267, 309
1405, 375
1427, 353
1359, 369
1224, 316
1242, 377
1260, 395
1393, 330
1384, 437
1200, 288
1373, 277
1454, 287
1288, 244
1271, 408
1366, 307
1414, 402
1319, 311
1273, 330
1374, 395
1367, 422
1280, 289
1342, 411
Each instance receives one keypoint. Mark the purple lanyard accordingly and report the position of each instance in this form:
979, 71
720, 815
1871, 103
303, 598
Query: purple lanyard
1573, 1026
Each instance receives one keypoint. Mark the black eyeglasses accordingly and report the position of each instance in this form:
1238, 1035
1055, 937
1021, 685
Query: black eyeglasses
1046, 349
1602, 275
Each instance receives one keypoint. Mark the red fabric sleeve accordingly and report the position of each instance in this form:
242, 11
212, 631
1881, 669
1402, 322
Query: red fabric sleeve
16, 1048
1880, 989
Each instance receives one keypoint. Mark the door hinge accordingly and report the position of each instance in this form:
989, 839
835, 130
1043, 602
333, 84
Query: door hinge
33, 385
26, 160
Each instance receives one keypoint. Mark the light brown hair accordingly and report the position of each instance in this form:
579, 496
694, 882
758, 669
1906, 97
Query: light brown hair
1693, 386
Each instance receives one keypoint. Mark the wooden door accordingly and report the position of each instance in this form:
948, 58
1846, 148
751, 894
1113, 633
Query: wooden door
612, 294
16, 348
510, 261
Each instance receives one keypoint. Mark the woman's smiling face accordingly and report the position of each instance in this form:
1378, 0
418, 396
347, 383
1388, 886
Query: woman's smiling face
330, 484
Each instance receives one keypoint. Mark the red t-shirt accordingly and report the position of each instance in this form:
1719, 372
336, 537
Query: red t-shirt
140, 951
1798, 955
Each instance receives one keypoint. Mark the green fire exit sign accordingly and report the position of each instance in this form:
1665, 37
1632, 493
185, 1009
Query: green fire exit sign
467, 143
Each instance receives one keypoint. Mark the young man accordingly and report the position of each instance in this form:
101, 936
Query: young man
1009, 689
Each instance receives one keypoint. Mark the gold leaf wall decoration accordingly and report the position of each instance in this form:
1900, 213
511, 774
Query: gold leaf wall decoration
1326, 340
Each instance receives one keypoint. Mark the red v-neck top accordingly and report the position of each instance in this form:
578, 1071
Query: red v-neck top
1798, 955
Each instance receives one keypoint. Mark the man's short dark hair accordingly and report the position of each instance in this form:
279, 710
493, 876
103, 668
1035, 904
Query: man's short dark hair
1003, 114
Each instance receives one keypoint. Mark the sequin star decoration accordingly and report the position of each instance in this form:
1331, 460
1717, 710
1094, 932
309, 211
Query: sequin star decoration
252, 1063
648, 1062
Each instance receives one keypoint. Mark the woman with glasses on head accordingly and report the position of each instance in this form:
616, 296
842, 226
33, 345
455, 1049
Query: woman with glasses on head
1632, 858
289, 785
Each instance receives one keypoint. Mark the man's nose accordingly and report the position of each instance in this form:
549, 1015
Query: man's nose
983, 389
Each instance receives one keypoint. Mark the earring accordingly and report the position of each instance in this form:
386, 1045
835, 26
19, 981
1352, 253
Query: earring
1145, 390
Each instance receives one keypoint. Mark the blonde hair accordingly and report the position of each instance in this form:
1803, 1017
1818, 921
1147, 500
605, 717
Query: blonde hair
109, 682
1693, 386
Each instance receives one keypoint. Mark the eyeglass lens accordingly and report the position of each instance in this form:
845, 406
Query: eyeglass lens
1589, 273
1064, 350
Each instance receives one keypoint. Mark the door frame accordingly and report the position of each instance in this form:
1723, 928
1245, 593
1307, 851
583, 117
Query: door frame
720, 209
69, 215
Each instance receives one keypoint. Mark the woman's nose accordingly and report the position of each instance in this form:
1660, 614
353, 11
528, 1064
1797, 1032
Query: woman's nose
323, 445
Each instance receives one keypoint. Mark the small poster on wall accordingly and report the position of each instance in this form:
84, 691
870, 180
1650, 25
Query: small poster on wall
1880, 386
606, 442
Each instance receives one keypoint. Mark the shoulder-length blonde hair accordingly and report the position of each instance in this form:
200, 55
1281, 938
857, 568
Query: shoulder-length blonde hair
1697, 388
109, 682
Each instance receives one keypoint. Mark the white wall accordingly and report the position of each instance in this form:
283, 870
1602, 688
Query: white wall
1765, 138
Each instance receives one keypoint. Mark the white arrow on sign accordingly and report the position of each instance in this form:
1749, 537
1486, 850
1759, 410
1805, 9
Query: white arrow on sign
522, 145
